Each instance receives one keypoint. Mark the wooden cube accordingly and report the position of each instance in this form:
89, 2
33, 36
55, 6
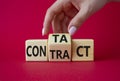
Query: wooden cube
59, 47
36, 50
82, 50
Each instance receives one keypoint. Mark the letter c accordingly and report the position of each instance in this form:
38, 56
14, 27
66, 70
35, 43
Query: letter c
77, 51
28, 51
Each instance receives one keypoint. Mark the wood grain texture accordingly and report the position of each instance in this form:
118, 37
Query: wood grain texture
82, 50
59, 47
36, 50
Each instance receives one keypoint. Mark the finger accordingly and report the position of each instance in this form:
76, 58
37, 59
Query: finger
55, 9
65, 23
72, 11
78, 20
56, 23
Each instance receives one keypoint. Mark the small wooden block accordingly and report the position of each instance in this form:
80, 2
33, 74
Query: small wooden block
59, 47
36, 50
82, 50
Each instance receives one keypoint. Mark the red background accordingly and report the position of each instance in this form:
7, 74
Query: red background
23, 19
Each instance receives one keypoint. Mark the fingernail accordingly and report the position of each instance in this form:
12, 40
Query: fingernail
43, 32
72, 30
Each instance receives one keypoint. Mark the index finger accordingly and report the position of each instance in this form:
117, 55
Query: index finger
55, 9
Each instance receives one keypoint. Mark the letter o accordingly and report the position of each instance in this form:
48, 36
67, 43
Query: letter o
37, 50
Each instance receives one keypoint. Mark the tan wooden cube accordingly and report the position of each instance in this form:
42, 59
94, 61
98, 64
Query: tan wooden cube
59, 47
36, 50
82, 50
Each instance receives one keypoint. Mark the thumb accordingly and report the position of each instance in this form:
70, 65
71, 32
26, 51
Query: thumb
78, 20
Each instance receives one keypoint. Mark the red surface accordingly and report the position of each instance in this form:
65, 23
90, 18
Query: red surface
22, 19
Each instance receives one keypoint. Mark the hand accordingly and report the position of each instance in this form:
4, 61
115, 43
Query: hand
69, 15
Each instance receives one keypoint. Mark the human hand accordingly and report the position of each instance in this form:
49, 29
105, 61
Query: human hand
69, 15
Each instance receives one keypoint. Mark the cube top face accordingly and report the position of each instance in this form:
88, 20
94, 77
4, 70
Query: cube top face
84, 41
36, 41
57, 38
